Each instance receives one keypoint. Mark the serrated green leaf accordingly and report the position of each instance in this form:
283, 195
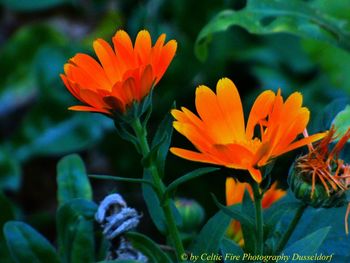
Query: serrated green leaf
75, 231
72, 181
308, 245
277, 16
229, 249
27, 245
147, 246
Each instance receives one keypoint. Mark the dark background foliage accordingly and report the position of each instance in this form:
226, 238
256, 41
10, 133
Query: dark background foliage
36, 129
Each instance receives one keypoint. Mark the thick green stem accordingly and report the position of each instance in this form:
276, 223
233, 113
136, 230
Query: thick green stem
173, 232
259, 219
284, 240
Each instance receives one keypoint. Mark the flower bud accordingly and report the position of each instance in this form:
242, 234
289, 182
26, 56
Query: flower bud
300, 183
191, 212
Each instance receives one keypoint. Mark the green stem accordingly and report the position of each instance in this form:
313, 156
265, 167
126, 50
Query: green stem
258, 218
173, 232
291, 228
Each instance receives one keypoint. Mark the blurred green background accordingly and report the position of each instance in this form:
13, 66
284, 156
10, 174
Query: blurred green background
36, 129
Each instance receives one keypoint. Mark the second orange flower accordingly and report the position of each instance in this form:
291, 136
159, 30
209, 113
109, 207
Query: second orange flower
222, 138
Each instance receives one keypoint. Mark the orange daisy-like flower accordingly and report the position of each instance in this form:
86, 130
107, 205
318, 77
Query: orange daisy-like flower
220, 134
234, 195
123, 75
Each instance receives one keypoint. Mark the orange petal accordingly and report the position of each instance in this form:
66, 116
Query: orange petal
129, 90
192, 156
147, 80
211, 114
260, 109
235, 191
272, 195
231, 107
71, 88
93, 69
79, 76
256, 174
88, 108
166, 56
108, 60
302, 142
92, 98
198, 139
124, 49
143, 45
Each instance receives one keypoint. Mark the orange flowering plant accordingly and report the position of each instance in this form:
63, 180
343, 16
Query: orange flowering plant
119, 84
124, 74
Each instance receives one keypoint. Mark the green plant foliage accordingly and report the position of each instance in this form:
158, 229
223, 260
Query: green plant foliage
147, 246
28, 6
250, 242
308, 245
342, 122
277, 16
72, 180
27, 245
163, 137
10, 171
209, 238
75, 231
229, 247
189, 176
153, 203
7, 214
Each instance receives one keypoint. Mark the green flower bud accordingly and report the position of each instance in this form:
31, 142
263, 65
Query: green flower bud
300, 182
191, 212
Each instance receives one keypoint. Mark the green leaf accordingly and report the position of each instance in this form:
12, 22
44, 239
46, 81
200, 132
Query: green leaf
209, 238
342, 122
308, 245
274, 213
230, 249
30, 6
72, 181
119, 261
7, 212
75, 231
121, 179
189, 176
277, 16
234, 212
43, 136
248, 229
27, 245
147, 246
153, 203
162, 138
10, 171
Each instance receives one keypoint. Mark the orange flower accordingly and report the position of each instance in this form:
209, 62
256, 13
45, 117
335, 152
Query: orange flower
234, 195
123, 75
220, 135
